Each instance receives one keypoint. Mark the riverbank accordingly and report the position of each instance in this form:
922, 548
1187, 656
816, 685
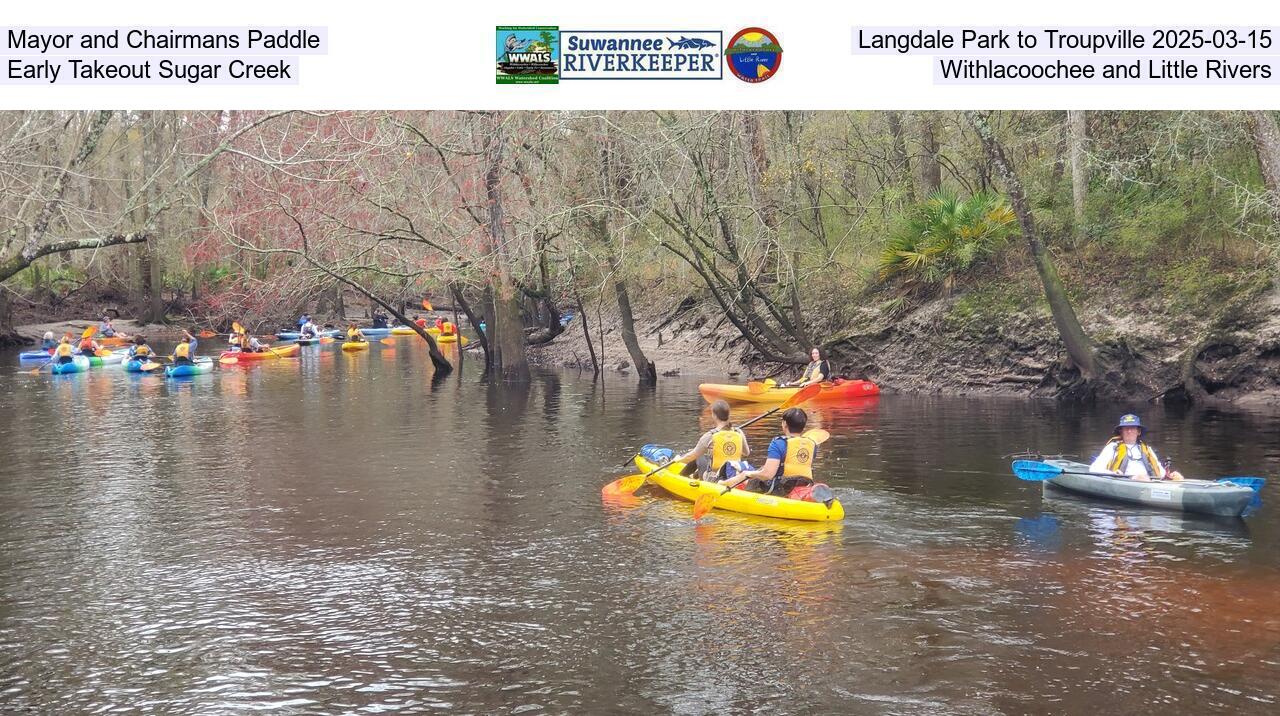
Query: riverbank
1218, 344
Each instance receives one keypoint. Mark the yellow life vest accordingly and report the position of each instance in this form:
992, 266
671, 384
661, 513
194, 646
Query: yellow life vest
142, 351
64, 350
1122, 450
798, 461
183, 350
353, 334
726, 446
448, 329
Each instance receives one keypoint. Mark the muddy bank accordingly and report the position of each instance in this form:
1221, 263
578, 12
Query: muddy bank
997, 341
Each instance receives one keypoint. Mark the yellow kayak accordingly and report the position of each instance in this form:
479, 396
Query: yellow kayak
355, 346
455, 338
403, 331
751, 503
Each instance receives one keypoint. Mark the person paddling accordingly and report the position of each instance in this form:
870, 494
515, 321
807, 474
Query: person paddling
140, 350
817, 371
790, 459
354, 334
106, 329
420, 322
309, 329
88, 346
379, 319
182, 352
64, 352
448, 329
1126, 454
721, 451
48, 343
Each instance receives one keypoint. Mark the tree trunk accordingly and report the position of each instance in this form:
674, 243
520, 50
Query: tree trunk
1079, 347
586, 331
460, 301
901, 160
1266, 142
645, 369
1079, 172
509, 359
930, 169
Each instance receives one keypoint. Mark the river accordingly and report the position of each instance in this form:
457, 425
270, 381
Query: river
336, 534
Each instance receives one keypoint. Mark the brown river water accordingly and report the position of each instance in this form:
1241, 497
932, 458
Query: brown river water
336, 534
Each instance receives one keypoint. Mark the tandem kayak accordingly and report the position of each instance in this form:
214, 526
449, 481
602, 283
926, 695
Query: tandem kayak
1206, 497
735, 500
352, 346
180, 370
288, 351
78, 364
838, 390
455, 338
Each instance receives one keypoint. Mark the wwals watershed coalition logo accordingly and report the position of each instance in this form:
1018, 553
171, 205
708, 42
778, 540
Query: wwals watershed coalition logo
641, 54
528, 54
754, 54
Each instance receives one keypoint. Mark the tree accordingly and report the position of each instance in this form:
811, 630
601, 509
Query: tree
1077, 134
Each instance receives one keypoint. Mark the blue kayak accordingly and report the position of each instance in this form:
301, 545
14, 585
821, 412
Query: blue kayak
376, 332
201, 365
295, 335
34, 355
78, 364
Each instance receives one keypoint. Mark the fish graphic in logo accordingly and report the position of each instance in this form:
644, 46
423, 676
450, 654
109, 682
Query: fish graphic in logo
753, 55
685, 43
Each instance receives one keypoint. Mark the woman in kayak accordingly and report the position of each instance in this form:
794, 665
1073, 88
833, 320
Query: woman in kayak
721, 451
817, 371
354, 334
106, 329
88, 346
1126, 454
182, 351
49, 342
790, 461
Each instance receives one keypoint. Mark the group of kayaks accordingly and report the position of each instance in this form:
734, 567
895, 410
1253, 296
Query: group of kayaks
1225, 497
82, 363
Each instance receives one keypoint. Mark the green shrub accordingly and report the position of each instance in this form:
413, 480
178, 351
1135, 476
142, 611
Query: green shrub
945, 236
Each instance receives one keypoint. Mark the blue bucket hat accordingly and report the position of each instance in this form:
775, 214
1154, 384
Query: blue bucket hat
1131, 421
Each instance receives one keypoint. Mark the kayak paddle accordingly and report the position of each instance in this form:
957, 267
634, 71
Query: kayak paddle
631, 483
706, 501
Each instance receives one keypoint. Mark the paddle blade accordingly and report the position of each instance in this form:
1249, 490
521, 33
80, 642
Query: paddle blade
1034, 471
228, 360
805, 393
818, 435
102, 353
387, 342
427, 305
326, 339
703, 504
629, 484
756, 388
149, 366
1253, 483
206, 333
88, 332
37, 369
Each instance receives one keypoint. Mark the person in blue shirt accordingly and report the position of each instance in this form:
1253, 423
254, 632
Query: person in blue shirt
49, 342
789, 463
303, 320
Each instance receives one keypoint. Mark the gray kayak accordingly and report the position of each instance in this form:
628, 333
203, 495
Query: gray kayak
1201, 496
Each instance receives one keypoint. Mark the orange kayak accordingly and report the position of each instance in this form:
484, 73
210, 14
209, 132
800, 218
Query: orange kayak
837, 391
288, 351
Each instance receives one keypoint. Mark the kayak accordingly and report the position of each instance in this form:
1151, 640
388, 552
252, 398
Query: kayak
1207, 497
376, 332
455, 338
201, 365
107, 358
352, 346
113, 341
288, 351
34, 355
134, 365
295, 335
403, 331
78, 364
836, 391
735, 500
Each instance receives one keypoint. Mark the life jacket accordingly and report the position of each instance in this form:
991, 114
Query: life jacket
440, 323
86, 345
1122, 457
448, 328
813, 369
726, 446
182, 350
798, 461
64, 350
48, 345
141, 351
422, 322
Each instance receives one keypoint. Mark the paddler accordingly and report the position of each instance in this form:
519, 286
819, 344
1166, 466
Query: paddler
309, 329
140, 350
88, 346
48, 343
379, 319
721, 451
106, 329
817, 371
448, 329
354, 334
182, 351
420, 322
237, 339
789, 463
64, 352
1126, 454
439, 324
254, 345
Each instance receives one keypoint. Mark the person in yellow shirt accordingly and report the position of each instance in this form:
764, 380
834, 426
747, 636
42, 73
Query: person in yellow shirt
721, 451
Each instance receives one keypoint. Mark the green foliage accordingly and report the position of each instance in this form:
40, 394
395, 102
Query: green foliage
946, 236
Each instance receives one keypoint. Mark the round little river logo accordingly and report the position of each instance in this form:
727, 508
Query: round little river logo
754, 54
